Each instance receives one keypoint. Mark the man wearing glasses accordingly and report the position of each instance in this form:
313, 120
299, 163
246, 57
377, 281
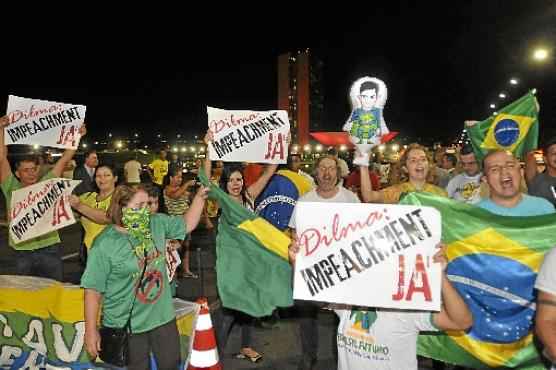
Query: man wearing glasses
40, 256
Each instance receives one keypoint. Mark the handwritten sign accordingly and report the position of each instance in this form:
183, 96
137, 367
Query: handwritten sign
248, 136
368, 255
41, 208
43, 122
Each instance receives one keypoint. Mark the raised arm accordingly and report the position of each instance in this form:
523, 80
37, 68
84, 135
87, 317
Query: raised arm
180, 190
193, 214
530, 167
5, 169
455, 315
94, 214
67, 156
207, 166
369, 195
258, 186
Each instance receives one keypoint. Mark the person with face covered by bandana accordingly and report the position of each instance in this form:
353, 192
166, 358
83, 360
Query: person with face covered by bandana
113, 271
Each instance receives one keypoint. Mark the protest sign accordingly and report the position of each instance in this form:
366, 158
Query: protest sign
43, 122
42, 325
368, 255
41, 208
248, 136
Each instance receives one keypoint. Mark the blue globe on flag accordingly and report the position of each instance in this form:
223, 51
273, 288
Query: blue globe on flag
506, 132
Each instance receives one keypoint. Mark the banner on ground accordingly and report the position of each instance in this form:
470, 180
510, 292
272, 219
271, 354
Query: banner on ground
42, 325
368, 255
43, 123
493, 263
41, 208
248, 136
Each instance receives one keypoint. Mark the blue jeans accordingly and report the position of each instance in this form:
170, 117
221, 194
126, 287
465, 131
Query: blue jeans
44, 262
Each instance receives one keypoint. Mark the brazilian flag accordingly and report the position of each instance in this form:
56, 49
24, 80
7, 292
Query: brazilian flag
514, 128
253, 272
493, 263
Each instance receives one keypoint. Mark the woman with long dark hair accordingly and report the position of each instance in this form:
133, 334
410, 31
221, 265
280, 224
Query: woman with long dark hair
231, 181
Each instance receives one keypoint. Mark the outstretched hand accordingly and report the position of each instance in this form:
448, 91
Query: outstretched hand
293, 250
4, 121
440, 256
209, 137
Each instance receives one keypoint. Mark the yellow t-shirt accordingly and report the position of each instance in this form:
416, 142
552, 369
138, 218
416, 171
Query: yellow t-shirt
160, 169
392, 193
92, 229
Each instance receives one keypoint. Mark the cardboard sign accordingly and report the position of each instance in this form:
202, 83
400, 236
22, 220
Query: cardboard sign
368, 255
41, 208
44, 123
248, 136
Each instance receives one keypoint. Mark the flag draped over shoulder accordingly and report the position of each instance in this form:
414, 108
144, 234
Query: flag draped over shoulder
253, 273
493, 263
515, 128
277, 201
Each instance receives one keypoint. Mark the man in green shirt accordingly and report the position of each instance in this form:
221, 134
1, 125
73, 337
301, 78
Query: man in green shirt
40, 256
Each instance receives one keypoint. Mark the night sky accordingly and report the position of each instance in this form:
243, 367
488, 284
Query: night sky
442, 64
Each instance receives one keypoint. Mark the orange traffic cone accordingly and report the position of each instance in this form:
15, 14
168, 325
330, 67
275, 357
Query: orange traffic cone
204, 354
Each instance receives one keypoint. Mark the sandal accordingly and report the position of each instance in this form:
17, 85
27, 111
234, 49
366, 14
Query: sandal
252, 355
189, 274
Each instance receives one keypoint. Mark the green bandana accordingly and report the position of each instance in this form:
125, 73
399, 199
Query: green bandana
137, 223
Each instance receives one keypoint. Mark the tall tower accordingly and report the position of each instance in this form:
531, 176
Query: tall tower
300, 92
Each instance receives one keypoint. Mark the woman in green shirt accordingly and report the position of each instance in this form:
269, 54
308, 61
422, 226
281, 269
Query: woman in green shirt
114, 267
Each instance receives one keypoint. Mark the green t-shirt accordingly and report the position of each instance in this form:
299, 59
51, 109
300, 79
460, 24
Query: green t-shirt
10, 185
113, 270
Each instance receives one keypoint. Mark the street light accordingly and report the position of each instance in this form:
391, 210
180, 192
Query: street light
493, 106
540, 54
502, 96
513, 81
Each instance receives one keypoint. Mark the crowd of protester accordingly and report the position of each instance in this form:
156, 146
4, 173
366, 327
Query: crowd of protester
150, 209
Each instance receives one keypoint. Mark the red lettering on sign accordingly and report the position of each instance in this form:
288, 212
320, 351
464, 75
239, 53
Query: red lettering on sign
311, 239
60, 212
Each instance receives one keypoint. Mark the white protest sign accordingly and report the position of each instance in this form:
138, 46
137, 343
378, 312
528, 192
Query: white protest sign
248, 136
368, 255
43, 122
41, 208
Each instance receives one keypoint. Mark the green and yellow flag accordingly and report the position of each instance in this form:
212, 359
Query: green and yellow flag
253, 272
515, 128
493, 263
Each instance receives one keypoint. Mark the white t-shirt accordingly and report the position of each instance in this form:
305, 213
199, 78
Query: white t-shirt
343, 196
133, 171
465, 189
390, 342
546, 278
